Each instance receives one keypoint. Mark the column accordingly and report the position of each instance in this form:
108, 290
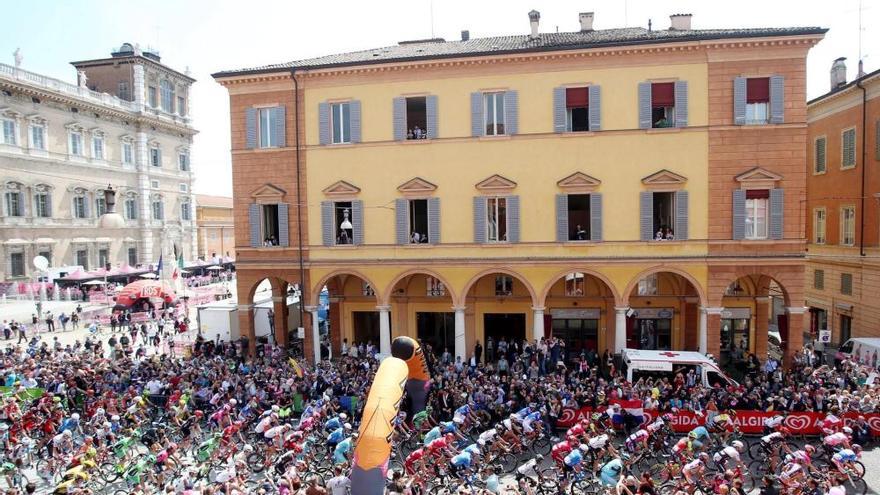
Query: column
795, 332
538, 324
460, 344
246, 326
316, 334
279, 307
762, 320
713, 332
702, 337
384, 330
620, 329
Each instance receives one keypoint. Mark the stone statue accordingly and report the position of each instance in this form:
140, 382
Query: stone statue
18, 58
83, 79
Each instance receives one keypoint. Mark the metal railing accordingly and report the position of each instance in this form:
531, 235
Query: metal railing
41, 81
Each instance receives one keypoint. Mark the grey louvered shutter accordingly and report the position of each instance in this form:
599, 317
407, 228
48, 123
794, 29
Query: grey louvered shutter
327, 227
739, 100
250, 125
434, 220
595, 109
357, 221
681, 215
431, 116
161, 210
355, 113
477, 114
283, 225
777, 207
511, 112
777, 99
49, 204
254, 224
681, 103
87, 212
596, 216
401, 220
324, 123
561, 217
281, 127
559, 109
479, 219
513, 219
644, 105
819, 166
739, 215
646, 215
398, 119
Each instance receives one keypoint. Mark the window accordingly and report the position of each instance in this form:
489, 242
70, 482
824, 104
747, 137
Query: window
845, 330
127, 153
132, 256
82, 258
41, 205
757, 100
578, 217
662, 105
152, 96
185, 212
9, 135
846, 284
155, 156
344, 228
848, 148
496, 221
154, 184
98, 147
183, 162
756, 213
167, 90
819, 279
76, 143
47, 255
648, 285
367, 289
270, 225
574, 284
503, 285
268, 127
181, 106
819, 156
183, 187
493, 113
416, 118
664, 215
14, 206
16, 264
38, 137
435, 287
100, 206
340, 122
131, 208
819, 226
848, 226
122, 91
577, 114
418, 221
158, 209
79, 207
103, 257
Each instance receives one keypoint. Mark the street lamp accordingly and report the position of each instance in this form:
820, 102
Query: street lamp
110, 219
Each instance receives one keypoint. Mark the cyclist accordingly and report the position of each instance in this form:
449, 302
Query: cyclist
533, 418
686, 446
773, 423
844, 459
416, 461
490, 438
343, 449
791, 476
700, 433
731, 452
693, 471
722, 424
610, 472
836, 441
574, 462
461, 463
599, 445
659, 424
335, 422
562, 449
337, 436
637, 441
529, 469
422, 418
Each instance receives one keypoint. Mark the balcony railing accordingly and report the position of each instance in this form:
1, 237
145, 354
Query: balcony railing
57, 85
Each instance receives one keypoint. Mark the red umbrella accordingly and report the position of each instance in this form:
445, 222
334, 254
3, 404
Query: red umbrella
145, 289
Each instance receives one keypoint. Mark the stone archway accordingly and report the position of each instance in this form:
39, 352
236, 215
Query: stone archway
422, 302
348, 312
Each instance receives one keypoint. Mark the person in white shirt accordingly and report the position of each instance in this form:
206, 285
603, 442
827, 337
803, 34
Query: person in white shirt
339, 484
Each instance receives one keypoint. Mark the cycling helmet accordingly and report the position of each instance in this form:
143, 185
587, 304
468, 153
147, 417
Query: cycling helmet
56, 399
199, 413
667, 417
499, 426
276, 408
539, 458
692, 435
584, 447
68, 433
429, 409
347, 426
458, 421
450, 437
856, 448
704, 456
115, 417
248, 448
75, 417
596, 416
731, 412
738, 445
4, 426
343, 417
847, 430
88, 440
99, 411
107, 424
233, 402
809, 449
172, 446
354, 436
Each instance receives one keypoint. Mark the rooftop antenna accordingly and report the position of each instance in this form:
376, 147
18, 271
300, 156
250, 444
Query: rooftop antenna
432, 19
649, 25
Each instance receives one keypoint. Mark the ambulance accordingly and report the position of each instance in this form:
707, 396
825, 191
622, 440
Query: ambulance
640, 363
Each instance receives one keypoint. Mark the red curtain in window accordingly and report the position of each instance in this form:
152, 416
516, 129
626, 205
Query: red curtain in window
757, 194
663, 94
576, 97
758, 90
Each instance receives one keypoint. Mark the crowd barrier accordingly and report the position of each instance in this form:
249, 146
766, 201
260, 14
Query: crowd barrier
748, 422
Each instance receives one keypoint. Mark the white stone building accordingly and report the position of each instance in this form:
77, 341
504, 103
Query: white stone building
126, 123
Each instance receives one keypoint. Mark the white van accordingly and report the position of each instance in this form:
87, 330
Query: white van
638, 363
862, 350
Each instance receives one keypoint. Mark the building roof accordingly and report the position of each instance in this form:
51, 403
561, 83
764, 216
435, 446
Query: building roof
113, 60
438, 48
213, 201
845, 87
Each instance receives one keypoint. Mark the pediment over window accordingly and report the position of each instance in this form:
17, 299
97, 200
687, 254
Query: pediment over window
417, 186
758, 178
268, 194
495, 183
664, 178
579, 182
341, 188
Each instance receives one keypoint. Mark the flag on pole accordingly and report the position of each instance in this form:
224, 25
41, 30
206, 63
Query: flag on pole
632, 407
159, 267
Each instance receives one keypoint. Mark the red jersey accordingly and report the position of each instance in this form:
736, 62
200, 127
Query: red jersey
437, 445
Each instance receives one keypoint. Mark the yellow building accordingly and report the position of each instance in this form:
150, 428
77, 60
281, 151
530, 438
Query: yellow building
216, 226
520, 186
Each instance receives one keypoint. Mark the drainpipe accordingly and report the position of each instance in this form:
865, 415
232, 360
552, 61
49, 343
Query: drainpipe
299, 230
864, 166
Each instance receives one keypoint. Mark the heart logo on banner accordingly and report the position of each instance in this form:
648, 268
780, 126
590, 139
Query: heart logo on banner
874, 422
568, 416
797, 422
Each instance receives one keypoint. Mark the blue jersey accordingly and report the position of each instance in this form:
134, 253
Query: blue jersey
845, 455
447, 427
522, 413
462, 460
574, 458
700, 433
69, 424
337, 436
463, 410
535, 416
472, 449
342, 448
609, 474
332, 424
433, 434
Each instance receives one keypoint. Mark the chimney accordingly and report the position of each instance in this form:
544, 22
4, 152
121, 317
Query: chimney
838, 73
680, 22
586, 19
861, 72
465, 35
534, 17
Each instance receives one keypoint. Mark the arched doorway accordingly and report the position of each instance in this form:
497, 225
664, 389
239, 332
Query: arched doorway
269, 313
753, 320
663, 312
499, 303
348, 313
421, 303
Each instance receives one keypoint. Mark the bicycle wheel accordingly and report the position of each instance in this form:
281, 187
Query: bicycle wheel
859, 469
256, 461
857, 486
755, 450
541, 445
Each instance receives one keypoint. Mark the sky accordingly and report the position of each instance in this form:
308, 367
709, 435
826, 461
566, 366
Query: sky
207, 36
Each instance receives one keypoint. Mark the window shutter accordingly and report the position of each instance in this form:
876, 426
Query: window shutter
355, 109
49, 204
479, 220
327, 227
398, 120
681, 215
681, 106
819, 166
86, 210
357, 221
434, 220
254, 224
431, 116
513, 219
559, 110
476, 114
739, 100
324, 123
161, 210
511, 112
645, 106
401, 216
646, 215
739, 214
596, 216
281, 127
777, 99
595, 108
250, 123
777, 207
283, 225
561, 217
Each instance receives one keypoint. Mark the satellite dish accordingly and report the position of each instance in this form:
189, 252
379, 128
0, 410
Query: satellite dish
41, 263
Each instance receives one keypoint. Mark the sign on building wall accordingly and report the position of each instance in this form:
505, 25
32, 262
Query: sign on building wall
653, 313
576, 314
736, 313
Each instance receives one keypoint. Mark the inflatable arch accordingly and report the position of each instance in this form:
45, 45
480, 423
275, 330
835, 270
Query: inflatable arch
405, 369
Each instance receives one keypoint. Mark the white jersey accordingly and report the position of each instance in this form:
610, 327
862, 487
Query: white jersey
598, 442
339, 485
773, 421
693, 465
772, 438
638, 436
656, 425
273, 432
487, 436
529, 468
263, 425
729, 452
